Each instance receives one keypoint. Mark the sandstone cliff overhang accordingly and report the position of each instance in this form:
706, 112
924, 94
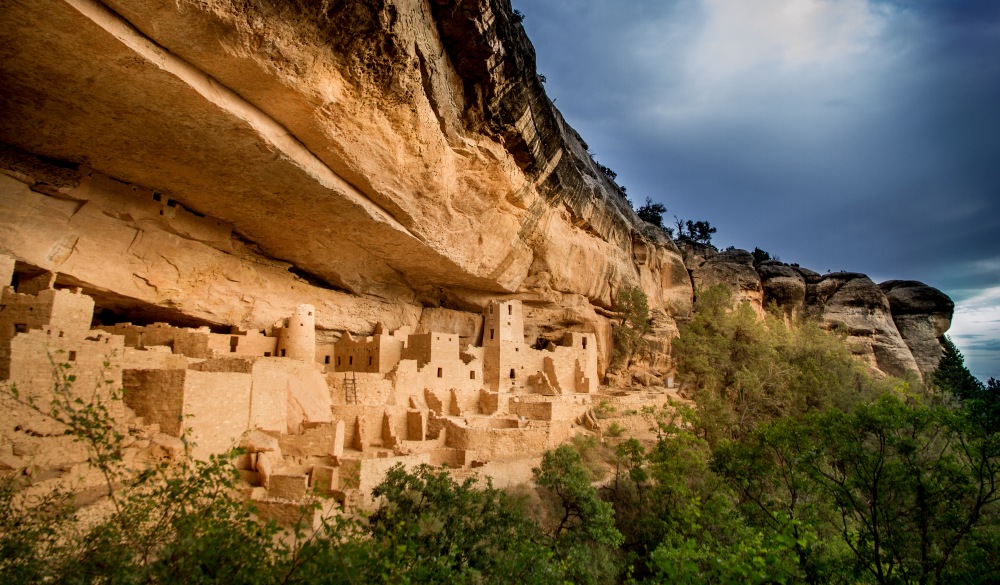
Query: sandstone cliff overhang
382, 149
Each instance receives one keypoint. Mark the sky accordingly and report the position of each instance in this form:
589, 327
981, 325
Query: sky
858, 135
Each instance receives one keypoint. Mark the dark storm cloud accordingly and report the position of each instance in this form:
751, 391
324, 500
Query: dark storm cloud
840, 134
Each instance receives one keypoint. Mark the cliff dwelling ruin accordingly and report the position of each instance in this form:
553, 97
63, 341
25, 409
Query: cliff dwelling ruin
326, 419
339, 251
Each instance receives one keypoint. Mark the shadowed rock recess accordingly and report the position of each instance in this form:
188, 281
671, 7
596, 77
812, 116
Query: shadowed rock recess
229, 186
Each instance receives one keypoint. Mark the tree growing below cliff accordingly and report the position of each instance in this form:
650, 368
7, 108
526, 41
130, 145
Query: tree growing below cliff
580, 524
633, 324
744, 371
909, 491
954, 378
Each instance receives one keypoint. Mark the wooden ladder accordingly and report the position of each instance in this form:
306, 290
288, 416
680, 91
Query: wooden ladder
350, 389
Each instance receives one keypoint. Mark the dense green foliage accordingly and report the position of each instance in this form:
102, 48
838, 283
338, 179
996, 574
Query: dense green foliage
632, 326
580, 525
793, 464
983, 400
744, 370
443, 531
651, 212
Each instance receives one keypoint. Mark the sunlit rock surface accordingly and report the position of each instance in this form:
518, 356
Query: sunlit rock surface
371, 159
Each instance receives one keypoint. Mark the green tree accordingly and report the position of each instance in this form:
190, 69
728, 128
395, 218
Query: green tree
982, 401
687, 528
437, 530
633, 325
580, 525
761, 256
951, 374
652, 213
699, 231
744, 370
911, 490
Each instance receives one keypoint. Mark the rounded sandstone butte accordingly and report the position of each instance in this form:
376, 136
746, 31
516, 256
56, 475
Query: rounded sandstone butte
783, 285
854, 302
735, 269
922, 314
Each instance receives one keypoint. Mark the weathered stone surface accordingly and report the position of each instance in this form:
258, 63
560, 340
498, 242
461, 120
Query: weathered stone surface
396, 162
784, 286
735, 269
308, 398
134, 265
848, 300
854, 302
468, 326
922, 315
259, 442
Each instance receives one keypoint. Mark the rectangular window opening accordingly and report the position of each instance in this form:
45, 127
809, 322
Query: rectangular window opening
440, 372
72, 356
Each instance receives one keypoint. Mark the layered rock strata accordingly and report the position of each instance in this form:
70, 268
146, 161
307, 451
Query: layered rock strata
922, 314
235, 160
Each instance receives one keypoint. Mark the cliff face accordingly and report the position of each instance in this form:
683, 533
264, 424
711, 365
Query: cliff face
895, 326
373, 158
221, 162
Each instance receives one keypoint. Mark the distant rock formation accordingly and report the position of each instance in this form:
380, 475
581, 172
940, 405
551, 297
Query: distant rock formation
922, 315
733, 268
895, 326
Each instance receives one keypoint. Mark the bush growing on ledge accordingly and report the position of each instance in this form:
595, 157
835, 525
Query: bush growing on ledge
652, 213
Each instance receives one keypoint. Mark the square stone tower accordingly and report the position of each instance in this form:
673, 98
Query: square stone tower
503, 345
